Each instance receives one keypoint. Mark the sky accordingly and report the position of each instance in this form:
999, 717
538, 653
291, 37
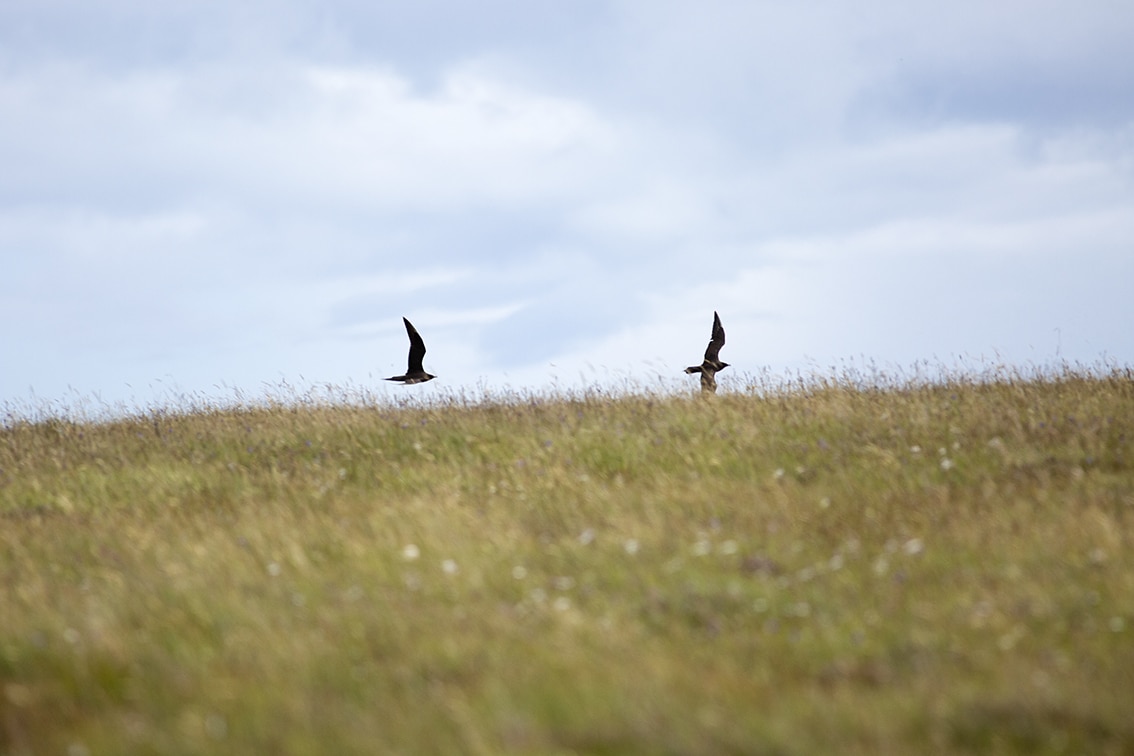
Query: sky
217, 198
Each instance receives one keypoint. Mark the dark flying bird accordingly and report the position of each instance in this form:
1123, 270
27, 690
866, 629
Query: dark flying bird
712, 364
415, 373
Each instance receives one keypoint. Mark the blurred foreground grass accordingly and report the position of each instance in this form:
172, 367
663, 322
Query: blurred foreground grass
830, 568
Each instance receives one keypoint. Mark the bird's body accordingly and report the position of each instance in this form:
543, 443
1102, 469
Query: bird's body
415, 372
712, 363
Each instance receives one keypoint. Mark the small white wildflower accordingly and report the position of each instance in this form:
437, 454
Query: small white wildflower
778, 474
216, 726
1117, 624
913, 546
702, 547
519, 572
274, 569
342, 473
881, 565
835, 562
915, 449
587, 536
449, 567
410, 552
631, 546
561, 604
825, 502
947, 464
1009, 640
729, 547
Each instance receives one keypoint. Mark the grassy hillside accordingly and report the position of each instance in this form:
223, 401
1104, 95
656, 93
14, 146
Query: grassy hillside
829, 568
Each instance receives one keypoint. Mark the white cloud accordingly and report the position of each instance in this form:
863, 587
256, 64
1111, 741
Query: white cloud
356, 137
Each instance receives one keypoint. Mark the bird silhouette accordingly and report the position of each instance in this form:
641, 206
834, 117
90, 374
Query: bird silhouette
415, 373
712, 363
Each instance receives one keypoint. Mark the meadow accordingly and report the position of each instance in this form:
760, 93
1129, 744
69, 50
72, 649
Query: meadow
828, 565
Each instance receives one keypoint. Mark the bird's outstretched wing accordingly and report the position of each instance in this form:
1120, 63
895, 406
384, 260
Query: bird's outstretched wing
416, 349
712, 354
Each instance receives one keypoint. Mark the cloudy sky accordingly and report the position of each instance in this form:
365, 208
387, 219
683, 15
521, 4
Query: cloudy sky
205, 197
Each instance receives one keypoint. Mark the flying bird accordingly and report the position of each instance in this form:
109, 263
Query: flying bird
712, 364
415, 373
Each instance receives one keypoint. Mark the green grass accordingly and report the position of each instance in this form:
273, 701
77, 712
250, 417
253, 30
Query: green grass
829, 567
